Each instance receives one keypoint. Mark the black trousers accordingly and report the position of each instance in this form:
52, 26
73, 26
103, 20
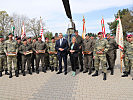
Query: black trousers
19, 61
64, 57
111, 60
80, 59
33, 57
73, 60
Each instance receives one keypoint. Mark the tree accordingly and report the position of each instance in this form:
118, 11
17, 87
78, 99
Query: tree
126, 19
48, 34
5, 20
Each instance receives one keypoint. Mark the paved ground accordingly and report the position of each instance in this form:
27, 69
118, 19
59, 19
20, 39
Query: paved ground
50, 86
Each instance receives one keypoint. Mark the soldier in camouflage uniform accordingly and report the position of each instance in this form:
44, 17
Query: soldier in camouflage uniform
33, 55
110, 56
3, 63
79, 41
26, 58
100, 50
46, 60
53, 57
19, 60
88, 57
40, 45
11, 46
128, 53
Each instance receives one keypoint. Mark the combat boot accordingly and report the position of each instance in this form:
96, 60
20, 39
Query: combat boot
24, 73
56, 69
43, 70
95, 74
52, 69
6, 72
30, 72
10, 74
104, 76
85, 71
125, 74
112, 72
90, 72
37, 71
0, 73
16, 73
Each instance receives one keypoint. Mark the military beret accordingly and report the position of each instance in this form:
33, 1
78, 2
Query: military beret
39, 36
52, 38
46, 38
19, 38
87, 34
16, 36
1, 36
10, 34
29, 37
100, 33
24, 40
76, 30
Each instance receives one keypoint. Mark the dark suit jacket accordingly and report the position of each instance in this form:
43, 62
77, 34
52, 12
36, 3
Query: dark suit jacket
76, 48
64, 46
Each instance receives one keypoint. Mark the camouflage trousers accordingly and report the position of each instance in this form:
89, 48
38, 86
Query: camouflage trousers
24, 60
53, 60
11, 59
3, 62
130, 63
102, 59
127, 65
46, 60
38, 58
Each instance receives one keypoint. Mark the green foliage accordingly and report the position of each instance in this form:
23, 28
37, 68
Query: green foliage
126, 19
48, 34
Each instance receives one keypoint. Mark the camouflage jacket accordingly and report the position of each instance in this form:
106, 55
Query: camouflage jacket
23, 48
79, 40
47, 46
101, 45
129, 50
2, 48
88, 45
39, 46
52, 47
10, 46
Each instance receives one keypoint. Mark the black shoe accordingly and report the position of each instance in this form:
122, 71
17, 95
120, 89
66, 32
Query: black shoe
10, 75
43, 70
6, 72
89, 72
58, 72
30, 72
85, 71
24, 73
56, 69
16, 73
65, 73
81, 70
93, 68
0, 73
112, 72
132, 78
104, 76
95, 74
125, 74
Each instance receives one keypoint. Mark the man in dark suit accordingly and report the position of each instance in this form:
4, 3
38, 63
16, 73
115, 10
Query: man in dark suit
61, 48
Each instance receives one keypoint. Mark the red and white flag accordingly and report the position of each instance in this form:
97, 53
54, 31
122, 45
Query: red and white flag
103, 27
119, 39
84, 29
23, 32
41, 31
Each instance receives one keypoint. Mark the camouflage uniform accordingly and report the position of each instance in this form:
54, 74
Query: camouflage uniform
33, 57
53, 57
11, 46
79, 41
88, 46
101, 45
129, 53
19, 58
3, 63
110, 56
26, 58
40, 46
46, 60
125, 58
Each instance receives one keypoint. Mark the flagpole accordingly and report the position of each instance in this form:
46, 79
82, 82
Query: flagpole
121, 60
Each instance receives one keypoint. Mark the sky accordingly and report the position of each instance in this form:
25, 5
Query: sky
54, 16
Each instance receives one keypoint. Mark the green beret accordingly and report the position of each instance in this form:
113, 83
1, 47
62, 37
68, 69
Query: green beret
29, 37
39, 36
52, 38
87, 34
76, 30
1, 36
24, 40
10, 34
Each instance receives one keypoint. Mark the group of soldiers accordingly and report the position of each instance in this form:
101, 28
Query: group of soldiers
91, 53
